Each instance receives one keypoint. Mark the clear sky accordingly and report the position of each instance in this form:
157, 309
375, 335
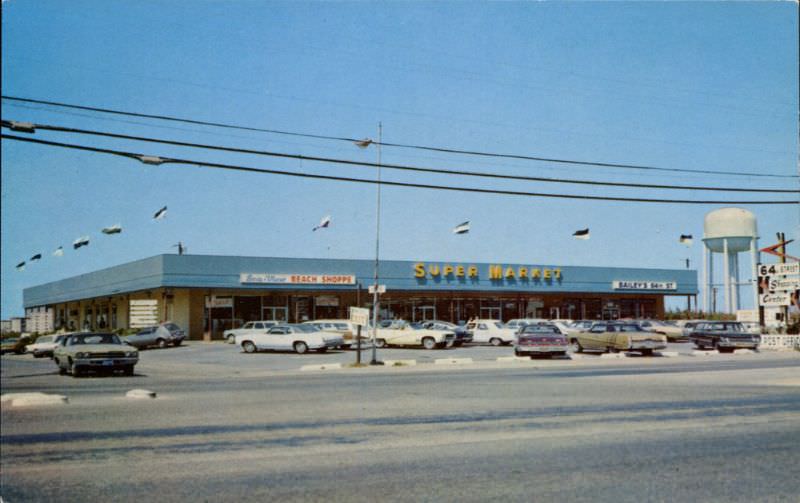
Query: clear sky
699, 86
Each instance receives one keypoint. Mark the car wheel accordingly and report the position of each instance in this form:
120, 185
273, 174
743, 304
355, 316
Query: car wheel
75, 370
161, 343
575, 346
428, 343
177, 343
128, 370
380, 343
647, 352
725, 350
249, 347
322, 350
231, 339
494, 341
300, 347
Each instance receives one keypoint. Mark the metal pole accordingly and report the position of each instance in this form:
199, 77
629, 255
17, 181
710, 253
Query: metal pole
375, 301
358, 330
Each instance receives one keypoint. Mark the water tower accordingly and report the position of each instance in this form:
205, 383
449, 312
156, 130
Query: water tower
729, 231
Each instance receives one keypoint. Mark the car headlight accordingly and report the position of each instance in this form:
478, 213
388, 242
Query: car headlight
81, 355
130, 354
723, 339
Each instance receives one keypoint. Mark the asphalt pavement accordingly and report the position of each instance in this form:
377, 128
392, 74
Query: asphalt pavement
227, 426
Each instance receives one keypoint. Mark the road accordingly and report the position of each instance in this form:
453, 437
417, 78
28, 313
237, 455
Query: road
678, 429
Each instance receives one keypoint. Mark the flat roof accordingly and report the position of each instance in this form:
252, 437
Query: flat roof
274, 273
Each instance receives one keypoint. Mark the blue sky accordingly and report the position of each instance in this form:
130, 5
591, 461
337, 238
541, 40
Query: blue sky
700, 86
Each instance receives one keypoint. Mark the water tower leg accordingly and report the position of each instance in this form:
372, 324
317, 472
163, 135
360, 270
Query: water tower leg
706, 282
754, 263
726, 268
735, 289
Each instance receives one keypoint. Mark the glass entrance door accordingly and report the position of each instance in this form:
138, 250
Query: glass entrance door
424, 313
279, 313
490, 313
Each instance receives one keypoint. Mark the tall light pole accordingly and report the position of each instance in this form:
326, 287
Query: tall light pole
375, 299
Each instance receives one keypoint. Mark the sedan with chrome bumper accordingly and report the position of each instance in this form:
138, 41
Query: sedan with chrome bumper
296, 337
540, 340
83, 352
615, 336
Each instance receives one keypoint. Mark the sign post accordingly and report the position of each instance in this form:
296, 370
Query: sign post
360, 317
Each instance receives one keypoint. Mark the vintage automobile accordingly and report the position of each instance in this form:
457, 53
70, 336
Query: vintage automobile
491, 331
518, 323
297, 337
89, 351
346, 328
463, 336
724, 336
674, 333
580, 326
14, 345
44, 345
249, 327
542, 339
400, 333
159, 335
615, 336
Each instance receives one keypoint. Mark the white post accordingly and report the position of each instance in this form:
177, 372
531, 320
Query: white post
706, 282
726, 268
736, 304
754, 264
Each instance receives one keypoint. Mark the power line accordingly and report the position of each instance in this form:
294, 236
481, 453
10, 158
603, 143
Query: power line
148, 159
388, 144
402, 167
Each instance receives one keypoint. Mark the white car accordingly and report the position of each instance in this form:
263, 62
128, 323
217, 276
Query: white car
44, 345
299, 338
400, 333
518, 323
248, 328
491, 331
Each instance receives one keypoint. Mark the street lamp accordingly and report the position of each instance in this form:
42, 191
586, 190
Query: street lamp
375, 302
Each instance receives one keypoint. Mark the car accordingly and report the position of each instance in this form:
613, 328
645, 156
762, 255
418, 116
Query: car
614, 336
90, 351
724, 336
752, 327
14, 345
160, 335
401, 333
673, 332
463, 336
689, 327
44, 345
490, 331
518, 323
580, 326
541, 339
249, 327
297, 337
346, 328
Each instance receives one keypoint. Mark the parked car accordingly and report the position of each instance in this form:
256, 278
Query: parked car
346, 328
44, 345
249, 327
689, 327
518, 323
159, 335
14, 345
673, 332
752, 327
543, 339
491, 331
88, 351
580, 325
615, 336
400, 333
463, 336
296, 337
724, 336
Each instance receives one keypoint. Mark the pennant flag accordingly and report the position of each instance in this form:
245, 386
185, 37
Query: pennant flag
38, 256
21, 266
581, 234
160, 213
59, 252
114, 229
461, 228
83, 241
686, 239
323, 224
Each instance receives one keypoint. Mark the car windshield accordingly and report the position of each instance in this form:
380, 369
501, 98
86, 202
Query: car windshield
94, 339
306, 328
498, 324
628, 327
540, 329
172, 327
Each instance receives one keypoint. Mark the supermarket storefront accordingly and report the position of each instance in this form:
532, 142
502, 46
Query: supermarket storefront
208, 294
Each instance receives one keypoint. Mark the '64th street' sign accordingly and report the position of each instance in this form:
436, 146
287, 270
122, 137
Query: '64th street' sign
779, 269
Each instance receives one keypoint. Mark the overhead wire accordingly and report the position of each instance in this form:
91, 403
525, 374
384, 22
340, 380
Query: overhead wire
149, 159
395, 145
402, 167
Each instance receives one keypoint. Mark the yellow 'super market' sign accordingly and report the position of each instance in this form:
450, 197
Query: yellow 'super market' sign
495, 272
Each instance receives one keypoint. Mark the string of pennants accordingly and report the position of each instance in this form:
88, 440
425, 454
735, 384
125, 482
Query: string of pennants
84, 240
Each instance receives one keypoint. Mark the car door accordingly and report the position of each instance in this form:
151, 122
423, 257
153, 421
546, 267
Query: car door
595, 338
271, 339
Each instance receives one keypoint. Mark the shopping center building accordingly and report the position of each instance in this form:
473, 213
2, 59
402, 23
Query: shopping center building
207, 294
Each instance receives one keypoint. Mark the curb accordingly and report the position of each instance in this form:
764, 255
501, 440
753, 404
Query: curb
513, 359
615, 356
744, 352
704, 353
668, 354
28, 399
324, 366
140, 393
452, 361
399, 363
